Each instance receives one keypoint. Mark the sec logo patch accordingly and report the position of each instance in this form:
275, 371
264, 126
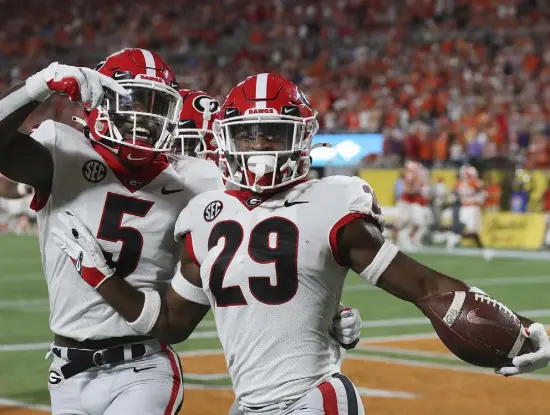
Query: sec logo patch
213, 210
94, 171
55, 379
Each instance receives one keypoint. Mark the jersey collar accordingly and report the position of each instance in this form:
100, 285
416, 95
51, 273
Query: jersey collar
132, 180
252, 200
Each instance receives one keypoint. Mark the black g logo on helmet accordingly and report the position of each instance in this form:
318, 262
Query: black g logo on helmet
201, 102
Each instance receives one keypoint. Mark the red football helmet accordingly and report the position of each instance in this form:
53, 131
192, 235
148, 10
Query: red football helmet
195, 125
264, 131
142, 124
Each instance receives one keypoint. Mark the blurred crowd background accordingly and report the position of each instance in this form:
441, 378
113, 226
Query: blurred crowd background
446, 82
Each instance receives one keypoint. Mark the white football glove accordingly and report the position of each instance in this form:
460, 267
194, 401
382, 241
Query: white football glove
530, 362
347, 327
83, 249
80, 84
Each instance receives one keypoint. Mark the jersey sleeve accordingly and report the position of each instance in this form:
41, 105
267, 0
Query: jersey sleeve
183, 231
184, 224
45, 133
359, 201
200, 175
211, 178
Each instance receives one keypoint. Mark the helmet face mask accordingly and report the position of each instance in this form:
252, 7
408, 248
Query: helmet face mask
287, 159
145, 120
264, 143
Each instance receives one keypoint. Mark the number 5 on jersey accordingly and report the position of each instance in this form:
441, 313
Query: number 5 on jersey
110, 230
284, 255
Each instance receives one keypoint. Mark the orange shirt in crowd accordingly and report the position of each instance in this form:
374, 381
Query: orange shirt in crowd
426, 149
441, 147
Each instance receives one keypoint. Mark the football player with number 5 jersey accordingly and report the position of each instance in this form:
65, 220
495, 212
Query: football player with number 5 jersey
116, 176
271, 259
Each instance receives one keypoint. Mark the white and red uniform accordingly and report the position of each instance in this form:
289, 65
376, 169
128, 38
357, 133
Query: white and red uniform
421, 213
470, 192
132, 217
409, 198
269, 266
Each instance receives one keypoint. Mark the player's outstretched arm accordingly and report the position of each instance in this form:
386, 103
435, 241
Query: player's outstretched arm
171, 319
362, 247
21, 158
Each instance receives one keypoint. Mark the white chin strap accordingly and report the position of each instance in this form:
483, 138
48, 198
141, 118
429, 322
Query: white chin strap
260, 166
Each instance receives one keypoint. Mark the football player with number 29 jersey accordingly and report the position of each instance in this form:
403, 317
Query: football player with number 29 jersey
270, 259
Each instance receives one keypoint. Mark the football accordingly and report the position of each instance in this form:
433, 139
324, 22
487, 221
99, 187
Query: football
477, 328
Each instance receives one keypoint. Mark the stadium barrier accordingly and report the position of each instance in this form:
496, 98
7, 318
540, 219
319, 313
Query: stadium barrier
510, 230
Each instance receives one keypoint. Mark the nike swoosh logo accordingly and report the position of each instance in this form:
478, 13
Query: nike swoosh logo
288, 204
472, 317
166, 191
135, 158
287, 110
143, 369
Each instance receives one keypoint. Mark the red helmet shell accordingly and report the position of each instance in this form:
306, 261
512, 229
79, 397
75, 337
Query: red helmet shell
270, 100
195, 125
266, 94
137, 64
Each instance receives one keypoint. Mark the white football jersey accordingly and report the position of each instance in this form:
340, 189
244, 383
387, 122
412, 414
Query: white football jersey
198, 175
270, 269
132, 217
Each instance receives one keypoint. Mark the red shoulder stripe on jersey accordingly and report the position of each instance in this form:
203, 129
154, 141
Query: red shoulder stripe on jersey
333, 235
189, 247
330, 404
39, 201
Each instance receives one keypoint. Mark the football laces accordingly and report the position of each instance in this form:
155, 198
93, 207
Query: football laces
495, 303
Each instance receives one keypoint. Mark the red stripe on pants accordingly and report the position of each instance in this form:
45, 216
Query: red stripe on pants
176, 380
330, 406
